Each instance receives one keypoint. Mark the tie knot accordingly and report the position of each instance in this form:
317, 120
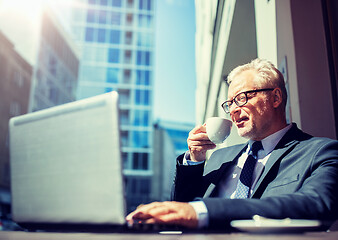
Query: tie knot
256, 146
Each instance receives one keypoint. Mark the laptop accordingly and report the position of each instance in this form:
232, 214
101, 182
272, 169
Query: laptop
66, 169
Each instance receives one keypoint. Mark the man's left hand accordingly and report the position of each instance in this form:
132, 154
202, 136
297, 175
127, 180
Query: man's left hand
175, 213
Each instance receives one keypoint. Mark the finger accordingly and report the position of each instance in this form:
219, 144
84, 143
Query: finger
142, 211
176, 219
198, 136
198, 129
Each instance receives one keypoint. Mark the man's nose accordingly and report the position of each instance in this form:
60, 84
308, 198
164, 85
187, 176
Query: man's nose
234, 109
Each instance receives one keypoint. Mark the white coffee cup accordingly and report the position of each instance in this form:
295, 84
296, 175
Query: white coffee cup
218, 129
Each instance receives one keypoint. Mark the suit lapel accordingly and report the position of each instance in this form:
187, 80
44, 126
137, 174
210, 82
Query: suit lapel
220, 164
283, 147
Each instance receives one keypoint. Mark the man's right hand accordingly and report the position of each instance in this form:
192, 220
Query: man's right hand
199, 143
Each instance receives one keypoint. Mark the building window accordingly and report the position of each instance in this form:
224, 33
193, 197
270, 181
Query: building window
102, 17
112, 75
145, 187
103, 2
127, 57
124, 117
108, 89
101, 35
18, 78
143, 58
124, 95
144, 20
129, 20
141, 118
91, 16
140, 139
116, 3
145, 4
14, 109
129, 38
130, 3
126, 76
113, 56
115, 18
89, 34
144, 39
142, 97
143, 77
140, 161
124, 138
114, 36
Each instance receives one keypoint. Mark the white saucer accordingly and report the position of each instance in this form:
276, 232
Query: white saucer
266, 225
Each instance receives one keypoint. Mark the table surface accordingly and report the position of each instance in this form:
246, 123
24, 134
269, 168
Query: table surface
155, 236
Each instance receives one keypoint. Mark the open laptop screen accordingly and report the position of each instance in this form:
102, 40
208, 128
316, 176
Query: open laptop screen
66, 164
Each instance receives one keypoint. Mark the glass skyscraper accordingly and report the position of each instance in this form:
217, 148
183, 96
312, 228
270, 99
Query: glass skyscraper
116, 39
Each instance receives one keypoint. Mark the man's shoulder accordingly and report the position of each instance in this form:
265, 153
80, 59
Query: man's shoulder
305, 139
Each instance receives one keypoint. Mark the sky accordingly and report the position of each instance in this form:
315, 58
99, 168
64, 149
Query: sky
175, 75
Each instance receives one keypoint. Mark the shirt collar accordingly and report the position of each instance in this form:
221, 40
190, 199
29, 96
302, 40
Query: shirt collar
270, 142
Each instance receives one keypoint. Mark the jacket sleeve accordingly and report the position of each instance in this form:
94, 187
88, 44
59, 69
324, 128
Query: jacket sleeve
187, 182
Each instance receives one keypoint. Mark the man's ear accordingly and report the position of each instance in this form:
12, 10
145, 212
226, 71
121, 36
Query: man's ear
277, 97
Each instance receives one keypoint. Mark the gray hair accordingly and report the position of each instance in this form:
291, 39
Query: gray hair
268, 76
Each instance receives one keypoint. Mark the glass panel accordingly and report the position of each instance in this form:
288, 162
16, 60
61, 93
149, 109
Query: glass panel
92, 2
112, 75
102, 17
139, 77
124, 95
115, 36
148, 4
108, 89
103, 2
147, 58
146, 97
147, 78
127, 56
129, 38
116, 3
113, 56
91, 15
89, 34
140, 161
140, 4
101, 35
138, 97
145, 185
124, 117
129, 20
130, 3
115, 18
146, 118
139, 58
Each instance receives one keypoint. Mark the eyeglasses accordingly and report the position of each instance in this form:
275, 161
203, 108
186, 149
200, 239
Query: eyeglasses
241, 99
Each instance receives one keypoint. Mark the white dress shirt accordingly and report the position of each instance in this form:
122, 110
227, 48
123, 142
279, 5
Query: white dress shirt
227, 186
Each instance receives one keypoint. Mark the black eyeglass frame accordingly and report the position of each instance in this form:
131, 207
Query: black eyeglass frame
227, 104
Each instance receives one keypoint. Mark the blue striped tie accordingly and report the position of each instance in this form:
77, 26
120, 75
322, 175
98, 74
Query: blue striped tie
245, 179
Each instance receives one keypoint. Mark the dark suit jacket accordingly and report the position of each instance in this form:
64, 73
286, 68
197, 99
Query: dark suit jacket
299, 181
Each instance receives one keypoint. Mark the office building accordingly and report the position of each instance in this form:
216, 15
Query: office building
38, 69
15, 83
299, 38
42, 42
170, 141
116, 40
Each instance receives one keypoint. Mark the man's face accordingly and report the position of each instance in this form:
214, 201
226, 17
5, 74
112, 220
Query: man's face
254, 119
